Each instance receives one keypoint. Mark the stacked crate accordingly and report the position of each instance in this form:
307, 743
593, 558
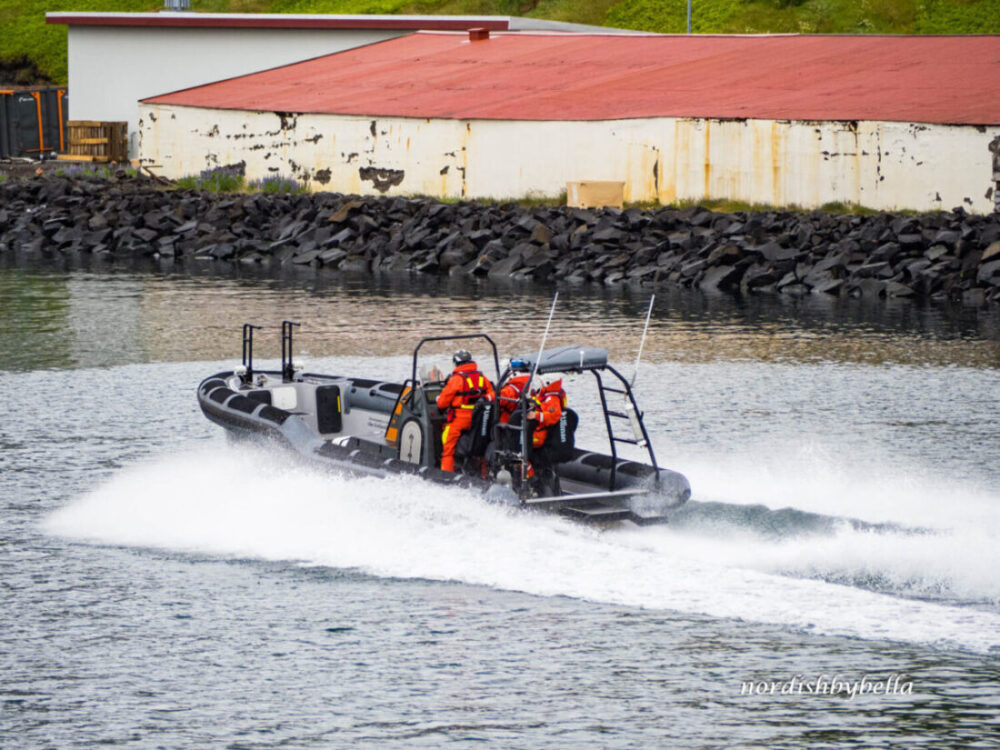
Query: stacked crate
93, 141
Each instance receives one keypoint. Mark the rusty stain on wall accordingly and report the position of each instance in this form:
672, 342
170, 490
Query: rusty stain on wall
668, 188
464, 169
776, 158
707, 190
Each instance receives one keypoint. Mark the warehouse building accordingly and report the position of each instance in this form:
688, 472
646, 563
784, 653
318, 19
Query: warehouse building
116, 59
884, 122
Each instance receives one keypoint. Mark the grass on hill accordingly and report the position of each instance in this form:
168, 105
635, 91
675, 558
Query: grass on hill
24, 33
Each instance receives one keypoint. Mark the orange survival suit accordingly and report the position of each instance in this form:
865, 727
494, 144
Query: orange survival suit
510, 397
465, 386
547, 408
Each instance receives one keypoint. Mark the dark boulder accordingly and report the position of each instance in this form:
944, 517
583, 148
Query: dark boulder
772, 251
723, 278
505, 267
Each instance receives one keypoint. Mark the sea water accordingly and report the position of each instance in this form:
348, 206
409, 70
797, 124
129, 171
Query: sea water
162, 587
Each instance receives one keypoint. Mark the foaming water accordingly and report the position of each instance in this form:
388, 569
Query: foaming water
952, 565
869, 488
249, 506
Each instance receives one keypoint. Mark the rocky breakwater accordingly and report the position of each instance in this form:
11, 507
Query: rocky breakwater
941, 256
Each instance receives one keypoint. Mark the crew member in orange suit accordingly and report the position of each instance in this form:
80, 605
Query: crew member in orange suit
465, 386
509, 399
548, 401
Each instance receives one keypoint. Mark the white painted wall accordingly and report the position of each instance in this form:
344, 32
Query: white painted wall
112, 68
882, 165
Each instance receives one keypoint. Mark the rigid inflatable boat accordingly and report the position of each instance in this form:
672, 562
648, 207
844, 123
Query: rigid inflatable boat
371, 427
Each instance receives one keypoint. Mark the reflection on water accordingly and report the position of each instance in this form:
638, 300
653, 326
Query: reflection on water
34, 312
87, 318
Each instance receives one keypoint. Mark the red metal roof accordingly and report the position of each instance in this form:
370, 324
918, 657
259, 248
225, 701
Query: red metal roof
596, 77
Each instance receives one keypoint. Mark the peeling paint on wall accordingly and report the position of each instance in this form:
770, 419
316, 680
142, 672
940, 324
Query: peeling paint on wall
288, 120
665, 159
381, 179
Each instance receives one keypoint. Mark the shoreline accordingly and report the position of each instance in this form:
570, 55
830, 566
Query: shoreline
943, 257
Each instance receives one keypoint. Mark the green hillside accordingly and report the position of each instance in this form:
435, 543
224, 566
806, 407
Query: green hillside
24, 35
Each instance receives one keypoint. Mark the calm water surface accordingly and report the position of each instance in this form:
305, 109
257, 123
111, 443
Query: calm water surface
161, 588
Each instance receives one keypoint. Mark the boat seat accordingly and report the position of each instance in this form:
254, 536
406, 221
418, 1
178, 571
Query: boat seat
284, 397
243, 404
219, 395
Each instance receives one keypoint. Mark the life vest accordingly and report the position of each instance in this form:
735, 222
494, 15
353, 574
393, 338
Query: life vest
549, 413
464, 388
475, 389
555, 389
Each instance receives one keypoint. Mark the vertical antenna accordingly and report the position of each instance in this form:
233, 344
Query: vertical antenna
642, 342
634, 417
545, 335
525, 442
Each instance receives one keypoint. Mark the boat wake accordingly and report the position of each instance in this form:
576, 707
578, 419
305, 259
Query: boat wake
928, 582
944, 565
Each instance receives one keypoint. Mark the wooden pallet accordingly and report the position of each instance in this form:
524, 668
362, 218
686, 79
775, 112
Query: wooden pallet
93, 141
